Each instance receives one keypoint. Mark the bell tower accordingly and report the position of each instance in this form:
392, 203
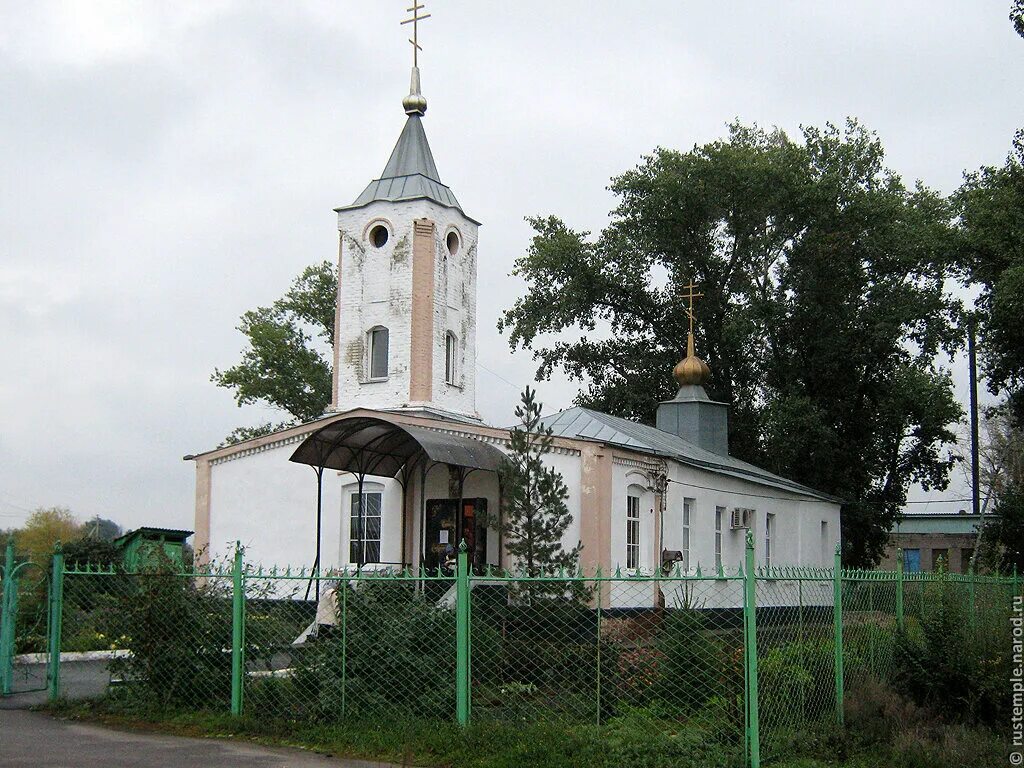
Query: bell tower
405, 323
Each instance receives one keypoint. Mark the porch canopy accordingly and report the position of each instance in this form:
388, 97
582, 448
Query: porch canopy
366, 445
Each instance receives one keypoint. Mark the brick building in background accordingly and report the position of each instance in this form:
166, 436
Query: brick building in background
926, 538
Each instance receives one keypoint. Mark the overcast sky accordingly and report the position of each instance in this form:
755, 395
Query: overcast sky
168, 165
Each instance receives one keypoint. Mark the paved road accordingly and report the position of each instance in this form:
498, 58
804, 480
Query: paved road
35, 740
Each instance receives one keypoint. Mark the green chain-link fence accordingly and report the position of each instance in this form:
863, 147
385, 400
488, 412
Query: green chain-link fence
736, 657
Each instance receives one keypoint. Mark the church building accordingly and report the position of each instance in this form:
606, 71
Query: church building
402, 467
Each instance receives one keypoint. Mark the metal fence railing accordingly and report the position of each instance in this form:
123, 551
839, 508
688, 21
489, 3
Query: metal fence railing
737, 657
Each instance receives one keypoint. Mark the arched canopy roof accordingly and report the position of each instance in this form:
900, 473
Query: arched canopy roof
372, 446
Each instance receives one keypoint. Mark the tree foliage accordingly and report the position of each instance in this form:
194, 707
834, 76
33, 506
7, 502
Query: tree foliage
822, 318
991, 208
286, 363
43, 529
535, 514
1002, 478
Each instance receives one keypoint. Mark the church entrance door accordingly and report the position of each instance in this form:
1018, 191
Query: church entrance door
444, 531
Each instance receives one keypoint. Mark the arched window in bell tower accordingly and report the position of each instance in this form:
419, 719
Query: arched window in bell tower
451, 354
377, 352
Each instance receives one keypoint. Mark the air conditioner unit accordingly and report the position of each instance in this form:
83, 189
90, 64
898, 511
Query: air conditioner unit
740, 518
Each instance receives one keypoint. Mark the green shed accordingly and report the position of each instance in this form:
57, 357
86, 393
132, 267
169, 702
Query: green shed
140, 546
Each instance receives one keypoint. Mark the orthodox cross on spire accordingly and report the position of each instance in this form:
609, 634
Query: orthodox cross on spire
417, 6
415, 103
690, 295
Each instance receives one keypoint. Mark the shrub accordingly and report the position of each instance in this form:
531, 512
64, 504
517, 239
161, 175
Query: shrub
394, 654
179, 635
956, 669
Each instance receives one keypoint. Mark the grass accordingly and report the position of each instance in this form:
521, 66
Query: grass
625, 741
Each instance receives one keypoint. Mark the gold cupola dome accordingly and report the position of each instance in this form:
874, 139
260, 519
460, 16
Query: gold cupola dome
691, 370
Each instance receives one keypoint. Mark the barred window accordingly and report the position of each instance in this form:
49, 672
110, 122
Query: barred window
719, 516
632, 531
687, 512
769, 532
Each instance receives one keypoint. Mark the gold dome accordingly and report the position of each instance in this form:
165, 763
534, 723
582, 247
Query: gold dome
691, 370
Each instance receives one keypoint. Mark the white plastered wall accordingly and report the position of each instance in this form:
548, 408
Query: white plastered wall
375, 289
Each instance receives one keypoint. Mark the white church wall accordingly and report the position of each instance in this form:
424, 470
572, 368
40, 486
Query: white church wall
375, 288
269, 504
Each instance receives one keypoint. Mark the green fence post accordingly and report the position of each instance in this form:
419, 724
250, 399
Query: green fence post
8, 612
970, 594
800, 644
344, 641
599, 647
837, 612
750, 654
56, 618
899, 588
871, 635
462, 635
237, 632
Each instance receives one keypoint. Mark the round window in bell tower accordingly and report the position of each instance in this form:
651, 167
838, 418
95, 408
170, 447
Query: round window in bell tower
379, 236
452, 241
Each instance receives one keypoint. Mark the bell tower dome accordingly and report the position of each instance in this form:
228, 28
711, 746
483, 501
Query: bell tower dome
405, 323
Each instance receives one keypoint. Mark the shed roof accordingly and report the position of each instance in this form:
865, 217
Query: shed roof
174, 534
586, 424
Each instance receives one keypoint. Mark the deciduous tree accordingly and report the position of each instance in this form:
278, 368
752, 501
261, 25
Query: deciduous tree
823, 315
991, 207
287, 363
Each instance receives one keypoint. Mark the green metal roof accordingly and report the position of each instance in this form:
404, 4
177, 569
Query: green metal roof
583, 423
410, 173
941, 522
171, 534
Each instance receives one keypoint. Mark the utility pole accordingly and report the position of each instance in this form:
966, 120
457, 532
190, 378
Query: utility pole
975, 470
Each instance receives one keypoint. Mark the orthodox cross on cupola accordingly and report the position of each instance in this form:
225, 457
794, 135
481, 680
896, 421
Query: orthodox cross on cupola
690, 295
691, 370
415, 103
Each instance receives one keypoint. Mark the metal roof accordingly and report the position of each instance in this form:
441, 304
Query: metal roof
410, 173
372, 446
583, 423
146, 530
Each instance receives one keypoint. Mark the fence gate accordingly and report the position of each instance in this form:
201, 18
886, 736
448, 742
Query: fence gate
24, 626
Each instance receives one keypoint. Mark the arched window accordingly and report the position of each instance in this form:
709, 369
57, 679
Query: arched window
451, 353
377, 343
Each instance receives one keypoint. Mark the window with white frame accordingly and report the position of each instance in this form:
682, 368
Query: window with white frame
687, 514
451, 350
377, 341
719, 518
824, 543
364, 528
769, 533
632, 531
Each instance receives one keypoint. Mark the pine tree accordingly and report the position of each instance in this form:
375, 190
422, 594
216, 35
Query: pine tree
535, 514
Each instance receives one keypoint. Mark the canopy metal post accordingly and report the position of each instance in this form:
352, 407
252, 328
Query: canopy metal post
361, 527
315, 575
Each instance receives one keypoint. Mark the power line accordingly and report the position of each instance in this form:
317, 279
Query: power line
498, 376
15, 506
